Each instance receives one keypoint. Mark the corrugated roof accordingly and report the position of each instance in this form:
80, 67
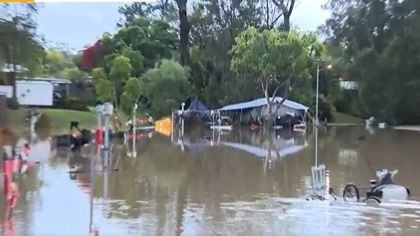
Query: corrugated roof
263, 102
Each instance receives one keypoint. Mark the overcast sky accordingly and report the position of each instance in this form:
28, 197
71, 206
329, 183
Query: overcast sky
79, 24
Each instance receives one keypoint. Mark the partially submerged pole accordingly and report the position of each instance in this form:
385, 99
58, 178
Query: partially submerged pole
99, 128
182, 119
134, 153
106, 143
108, 111
172, 126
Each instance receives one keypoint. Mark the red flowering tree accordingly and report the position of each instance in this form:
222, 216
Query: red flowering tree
91, 56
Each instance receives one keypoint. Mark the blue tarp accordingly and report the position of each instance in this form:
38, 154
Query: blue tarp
197, 106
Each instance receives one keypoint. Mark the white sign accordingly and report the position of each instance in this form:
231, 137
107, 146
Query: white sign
100, 109
108, 109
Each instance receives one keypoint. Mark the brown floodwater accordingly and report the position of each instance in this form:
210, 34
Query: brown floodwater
238, 183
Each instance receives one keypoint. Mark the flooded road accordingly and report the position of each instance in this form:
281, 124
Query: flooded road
241, 183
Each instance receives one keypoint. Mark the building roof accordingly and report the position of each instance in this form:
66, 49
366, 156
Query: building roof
51, 80
263, 102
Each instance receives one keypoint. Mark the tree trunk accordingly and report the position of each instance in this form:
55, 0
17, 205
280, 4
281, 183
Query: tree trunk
287, 9
184, 31
11, 75
286, 22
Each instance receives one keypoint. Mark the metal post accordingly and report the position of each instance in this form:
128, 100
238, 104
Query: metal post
182, 119
172, 126
134, 153
106, 177
99, 120
92, 182
106, 141
316, 115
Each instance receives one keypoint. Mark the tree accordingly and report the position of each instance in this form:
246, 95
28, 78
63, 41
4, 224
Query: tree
275, 60
144, 41
286, 7
162, 10
131, 95
380, 47
55, 62
164, 88
18, 43
109, 87
184, 30
73, 74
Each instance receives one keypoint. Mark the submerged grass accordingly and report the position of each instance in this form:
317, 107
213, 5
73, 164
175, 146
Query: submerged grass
56, 120
346, 118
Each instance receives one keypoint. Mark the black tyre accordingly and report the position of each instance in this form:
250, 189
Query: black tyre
351, 193
372, 201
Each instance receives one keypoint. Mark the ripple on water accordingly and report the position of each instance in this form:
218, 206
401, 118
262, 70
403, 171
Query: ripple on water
409, 215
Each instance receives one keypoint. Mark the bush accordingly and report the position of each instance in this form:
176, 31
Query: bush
12, 104
75, 104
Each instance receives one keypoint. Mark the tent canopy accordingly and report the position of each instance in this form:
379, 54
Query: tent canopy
197, 106
263, 102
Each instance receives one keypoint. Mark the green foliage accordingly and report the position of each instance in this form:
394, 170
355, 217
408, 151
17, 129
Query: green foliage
380, 44
74, 103
130, 95
104, 90
18, 44
120, 70
269, 56
136, 61
273, 59
103, 87
98, 74
55, 61
164, 88
153, 38
72, 74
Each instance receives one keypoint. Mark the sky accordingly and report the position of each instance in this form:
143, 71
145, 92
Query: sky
79, 24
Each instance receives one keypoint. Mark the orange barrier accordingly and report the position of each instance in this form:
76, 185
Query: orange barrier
163, 126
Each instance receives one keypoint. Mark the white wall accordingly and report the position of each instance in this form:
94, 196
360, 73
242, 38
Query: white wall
31, 93
6, 90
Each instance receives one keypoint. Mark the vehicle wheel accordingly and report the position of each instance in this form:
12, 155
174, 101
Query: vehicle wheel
372, 201
351, 193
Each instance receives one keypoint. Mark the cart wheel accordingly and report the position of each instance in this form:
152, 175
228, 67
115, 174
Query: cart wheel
372, 201
351, 193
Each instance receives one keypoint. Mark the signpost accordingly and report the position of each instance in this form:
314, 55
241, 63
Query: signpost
106, 110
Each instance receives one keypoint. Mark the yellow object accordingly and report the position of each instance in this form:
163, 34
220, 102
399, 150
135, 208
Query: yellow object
163, 126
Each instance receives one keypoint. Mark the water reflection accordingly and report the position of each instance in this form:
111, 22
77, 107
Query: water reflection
205, 184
